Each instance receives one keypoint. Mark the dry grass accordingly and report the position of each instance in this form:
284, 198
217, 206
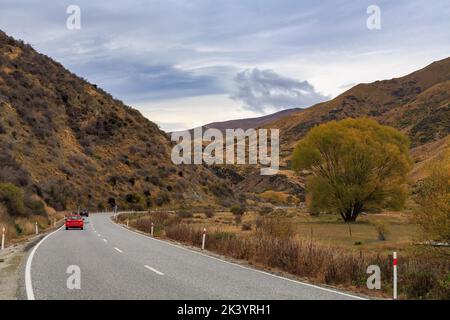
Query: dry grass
330, 256
20, 229
328, 229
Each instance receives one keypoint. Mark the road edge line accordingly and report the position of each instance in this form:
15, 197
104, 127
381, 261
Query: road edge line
244, 267
28, 282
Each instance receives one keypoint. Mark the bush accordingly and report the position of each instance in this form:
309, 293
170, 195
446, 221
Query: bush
36, 207
265, 210
184, 214
238, 210
13, 197
246, 227
209, 213
364, 149
276, 228
382, 230
162, 198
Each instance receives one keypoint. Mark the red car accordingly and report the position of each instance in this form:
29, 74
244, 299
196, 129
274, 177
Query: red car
74, 221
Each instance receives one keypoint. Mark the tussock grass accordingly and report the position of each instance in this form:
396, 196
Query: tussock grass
274, 245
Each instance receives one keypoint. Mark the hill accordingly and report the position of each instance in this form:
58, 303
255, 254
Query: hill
251, 122
418, 104
65, 141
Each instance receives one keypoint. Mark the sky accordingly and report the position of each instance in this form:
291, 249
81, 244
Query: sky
184, 63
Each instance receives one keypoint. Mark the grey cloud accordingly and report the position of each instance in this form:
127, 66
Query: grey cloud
265, 90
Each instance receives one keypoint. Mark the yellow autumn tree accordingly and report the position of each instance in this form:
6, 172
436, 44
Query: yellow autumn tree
356, 165
433, 214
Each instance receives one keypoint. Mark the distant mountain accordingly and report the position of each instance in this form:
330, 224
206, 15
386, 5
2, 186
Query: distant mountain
251, 122
69, 142
418, 104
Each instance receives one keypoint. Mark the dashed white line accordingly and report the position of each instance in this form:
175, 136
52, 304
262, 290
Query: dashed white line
154, 270
244, 267
104, 240
117, 249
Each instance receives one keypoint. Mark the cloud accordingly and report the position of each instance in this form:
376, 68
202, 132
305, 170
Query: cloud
145, 52
265, 91
138, 80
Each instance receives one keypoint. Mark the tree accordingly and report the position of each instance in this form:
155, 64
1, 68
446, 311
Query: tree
433, 215
356, 165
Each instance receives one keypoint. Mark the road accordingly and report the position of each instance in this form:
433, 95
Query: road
117, 263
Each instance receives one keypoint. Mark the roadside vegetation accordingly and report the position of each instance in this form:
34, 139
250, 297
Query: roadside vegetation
317, 249
433, 214
358, 211
19, 211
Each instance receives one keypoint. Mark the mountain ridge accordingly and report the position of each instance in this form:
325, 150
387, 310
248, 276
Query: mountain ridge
69, 142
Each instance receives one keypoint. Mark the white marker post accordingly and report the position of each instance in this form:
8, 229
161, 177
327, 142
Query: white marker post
37, 231
3, 238
128, 222
54, 222
151, 230
395, 275
204, 239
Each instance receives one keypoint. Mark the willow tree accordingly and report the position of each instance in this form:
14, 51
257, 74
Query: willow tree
356, 165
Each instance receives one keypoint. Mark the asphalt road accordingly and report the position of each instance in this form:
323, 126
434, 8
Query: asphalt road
116, 263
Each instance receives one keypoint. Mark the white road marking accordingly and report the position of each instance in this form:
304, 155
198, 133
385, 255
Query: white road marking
104, 240
154, 270
28, 283
99, 234
247, 268
119, 250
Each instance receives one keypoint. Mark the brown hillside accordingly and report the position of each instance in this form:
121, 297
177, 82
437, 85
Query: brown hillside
70, 142
418, 104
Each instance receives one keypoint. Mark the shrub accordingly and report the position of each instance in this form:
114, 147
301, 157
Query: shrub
185, 214
265, 210
370, 156
246, 227
433, 214
36, 207
275, 197
276, 228
382, 230
13, 197
209, 213
238, 210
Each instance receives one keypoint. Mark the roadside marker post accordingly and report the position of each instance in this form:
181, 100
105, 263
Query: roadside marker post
204, 239
395, 275
151, 230
3, 238
37, 230
128, 220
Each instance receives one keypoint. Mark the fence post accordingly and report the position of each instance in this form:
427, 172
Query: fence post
37, 231
3, 238
395, 275
204, 239
151, 230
